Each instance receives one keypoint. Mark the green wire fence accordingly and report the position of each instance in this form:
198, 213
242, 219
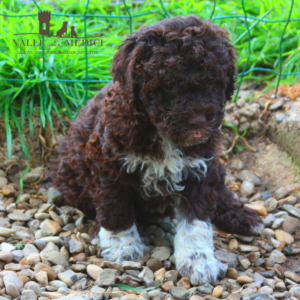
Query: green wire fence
167, 15
163, 13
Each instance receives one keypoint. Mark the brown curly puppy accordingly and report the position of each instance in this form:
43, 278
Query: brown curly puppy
149, 142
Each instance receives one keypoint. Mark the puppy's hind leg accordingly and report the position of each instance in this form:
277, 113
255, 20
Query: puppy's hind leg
232, 216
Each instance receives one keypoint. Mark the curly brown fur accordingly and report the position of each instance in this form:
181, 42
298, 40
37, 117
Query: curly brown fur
170, 84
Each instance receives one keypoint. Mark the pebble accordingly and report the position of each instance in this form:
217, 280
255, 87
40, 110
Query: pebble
271, 204
277, 256
226, 256
29, 249
258, 208
42, 278
233, 245
93, 271
277, 223
146, 275
206, 288
78, 267
54, 295
42, 216
56, 258
6, 256
98, 293
232, 273
18, 255
248, 248
236, 164
161, 253
50, 227
247, 188
196, 297
33, 175
281, 193
292, 276
283, 236
244, 238
276, 105
153, 264
245, 263
53, 196
68, 277
289, 200
244, 279
167, 286
246, 175
13, 283
269, 262
269, 220
179, 292
19, 217
6, 232
184, 282
275, 243
3, 182
32, 285
131, 265
267, 232
248, 292
295, 211
172, 275
217, 292
295, 292
106, 277
56, 218
28, 295
75, 246
290, 224
11, 290
265, 290
49, 239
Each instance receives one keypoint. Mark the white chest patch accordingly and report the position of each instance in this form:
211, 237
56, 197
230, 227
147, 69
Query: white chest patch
172, 169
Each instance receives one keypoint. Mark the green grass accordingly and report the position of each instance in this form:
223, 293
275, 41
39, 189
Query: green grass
45, 96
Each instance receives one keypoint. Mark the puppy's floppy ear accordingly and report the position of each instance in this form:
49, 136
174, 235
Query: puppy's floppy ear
231, 73
127, 61
121, 60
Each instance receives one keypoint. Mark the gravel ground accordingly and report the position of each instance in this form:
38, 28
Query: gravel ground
47, 253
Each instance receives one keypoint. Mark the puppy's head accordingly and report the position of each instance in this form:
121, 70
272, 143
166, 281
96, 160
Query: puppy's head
181, 73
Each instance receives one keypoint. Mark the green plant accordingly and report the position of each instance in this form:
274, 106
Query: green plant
41, 83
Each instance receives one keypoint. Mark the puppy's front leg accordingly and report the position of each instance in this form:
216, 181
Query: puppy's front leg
124, 245
194, 249
119, 237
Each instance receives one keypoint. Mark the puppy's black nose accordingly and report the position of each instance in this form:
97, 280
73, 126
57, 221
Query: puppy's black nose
197, 121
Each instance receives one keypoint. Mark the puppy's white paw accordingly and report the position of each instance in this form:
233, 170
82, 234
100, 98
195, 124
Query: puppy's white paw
257, 230
125, 245
200, 268
194, 252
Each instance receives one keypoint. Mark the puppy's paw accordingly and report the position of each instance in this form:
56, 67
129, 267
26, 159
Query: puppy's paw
194, 252
125, 245
257, 229
200, 268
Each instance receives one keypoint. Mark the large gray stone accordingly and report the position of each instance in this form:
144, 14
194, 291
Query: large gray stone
287, 130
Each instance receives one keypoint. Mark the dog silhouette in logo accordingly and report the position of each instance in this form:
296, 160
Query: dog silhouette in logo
61, 32
73, 32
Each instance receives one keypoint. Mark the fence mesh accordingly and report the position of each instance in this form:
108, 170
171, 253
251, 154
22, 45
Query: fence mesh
164, 13
11, 117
